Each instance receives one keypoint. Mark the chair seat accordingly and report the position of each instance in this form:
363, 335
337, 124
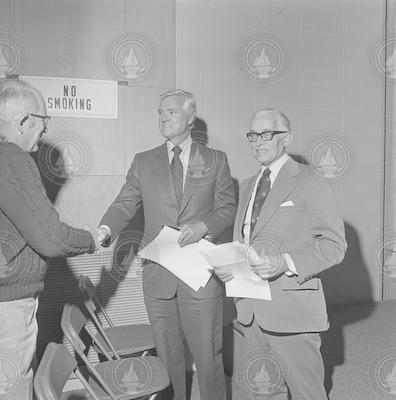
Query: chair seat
128, 339
81, 394
131, 378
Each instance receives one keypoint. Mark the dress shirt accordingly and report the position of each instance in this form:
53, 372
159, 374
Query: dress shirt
274, 168
184, 155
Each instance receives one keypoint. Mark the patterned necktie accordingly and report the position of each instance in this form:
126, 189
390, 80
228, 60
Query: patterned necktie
177, 173
263, 188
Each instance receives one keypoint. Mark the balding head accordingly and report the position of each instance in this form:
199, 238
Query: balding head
274, 119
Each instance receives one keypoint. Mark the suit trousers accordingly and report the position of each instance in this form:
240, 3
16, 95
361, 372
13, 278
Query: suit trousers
292, 363
200, 323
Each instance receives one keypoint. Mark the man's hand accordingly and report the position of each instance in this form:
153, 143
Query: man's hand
95, 236
269, 267
192, 233
221, 272
102, 234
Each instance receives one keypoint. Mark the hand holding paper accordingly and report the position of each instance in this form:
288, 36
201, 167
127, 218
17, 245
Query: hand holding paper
231, 262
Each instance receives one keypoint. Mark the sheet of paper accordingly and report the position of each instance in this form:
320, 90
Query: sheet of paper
234, 257
187, 262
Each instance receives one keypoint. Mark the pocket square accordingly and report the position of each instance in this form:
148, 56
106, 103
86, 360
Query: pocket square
288, 203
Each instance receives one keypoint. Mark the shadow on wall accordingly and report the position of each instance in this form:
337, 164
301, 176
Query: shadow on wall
57, 291
333, 349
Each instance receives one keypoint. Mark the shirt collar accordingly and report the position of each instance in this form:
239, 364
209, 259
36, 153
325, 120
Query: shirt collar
276, 166
183, 145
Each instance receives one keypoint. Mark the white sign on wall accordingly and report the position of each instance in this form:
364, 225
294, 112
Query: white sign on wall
70, 97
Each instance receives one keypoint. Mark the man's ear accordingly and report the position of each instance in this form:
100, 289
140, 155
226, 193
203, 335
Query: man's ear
288, 139
19, 121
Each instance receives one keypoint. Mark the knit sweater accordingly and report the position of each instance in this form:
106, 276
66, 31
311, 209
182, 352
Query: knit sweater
30, 229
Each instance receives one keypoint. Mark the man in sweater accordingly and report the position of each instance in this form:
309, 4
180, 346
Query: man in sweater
30, 231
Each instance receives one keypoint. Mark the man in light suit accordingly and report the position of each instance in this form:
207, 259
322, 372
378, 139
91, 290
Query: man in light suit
290, 220
182, 184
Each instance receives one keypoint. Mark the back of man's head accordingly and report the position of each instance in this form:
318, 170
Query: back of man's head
17, 97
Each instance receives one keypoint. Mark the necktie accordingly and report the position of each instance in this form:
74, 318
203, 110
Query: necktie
177, 173
263, 188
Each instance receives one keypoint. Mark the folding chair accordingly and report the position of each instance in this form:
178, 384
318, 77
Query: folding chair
55, 367
121, 379
120, 340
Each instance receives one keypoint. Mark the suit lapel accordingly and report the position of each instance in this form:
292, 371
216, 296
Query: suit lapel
164, 173
284, 184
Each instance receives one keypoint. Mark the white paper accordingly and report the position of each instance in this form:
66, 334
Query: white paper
234, 258
187, 262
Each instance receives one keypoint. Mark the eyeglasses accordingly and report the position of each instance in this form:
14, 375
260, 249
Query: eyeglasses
45, 118
264, 135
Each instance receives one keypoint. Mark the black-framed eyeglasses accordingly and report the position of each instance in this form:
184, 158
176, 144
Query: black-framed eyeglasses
45, 118
264, 135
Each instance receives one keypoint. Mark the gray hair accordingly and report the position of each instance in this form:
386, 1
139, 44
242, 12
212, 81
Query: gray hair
17, 96
274, 113
189, 100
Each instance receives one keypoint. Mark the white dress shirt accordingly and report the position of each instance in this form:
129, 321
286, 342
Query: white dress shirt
274, 168
185, 147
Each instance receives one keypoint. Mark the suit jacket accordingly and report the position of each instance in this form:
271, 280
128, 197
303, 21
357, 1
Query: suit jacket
299, 218
208, 195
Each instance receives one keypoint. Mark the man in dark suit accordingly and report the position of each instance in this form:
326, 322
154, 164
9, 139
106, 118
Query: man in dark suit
290, 220
182, 184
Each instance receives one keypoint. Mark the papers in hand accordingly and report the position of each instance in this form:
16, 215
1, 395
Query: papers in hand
234, 258
187, 262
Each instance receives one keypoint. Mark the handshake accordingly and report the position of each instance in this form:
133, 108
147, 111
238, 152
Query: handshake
101, 236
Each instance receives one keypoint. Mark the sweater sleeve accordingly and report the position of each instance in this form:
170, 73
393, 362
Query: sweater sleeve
24, 201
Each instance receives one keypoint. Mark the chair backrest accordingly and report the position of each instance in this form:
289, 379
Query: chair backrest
73, 324
55, 367
91, 301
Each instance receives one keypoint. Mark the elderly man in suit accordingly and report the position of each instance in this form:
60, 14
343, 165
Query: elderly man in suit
290, 220
182, 184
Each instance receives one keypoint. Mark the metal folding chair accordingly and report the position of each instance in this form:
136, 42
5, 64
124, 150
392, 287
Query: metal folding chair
120, 379
55, 367
120, 340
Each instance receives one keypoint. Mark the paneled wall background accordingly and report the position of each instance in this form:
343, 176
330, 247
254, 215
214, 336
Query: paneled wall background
317, 60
